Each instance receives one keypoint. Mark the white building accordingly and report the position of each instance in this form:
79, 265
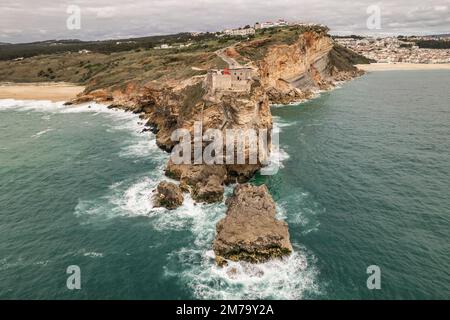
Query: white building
163, 46
267, 24
239, 32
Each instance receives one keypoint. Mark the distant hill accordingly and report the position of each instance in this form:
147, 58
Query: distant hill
444, 35
26, 50
111, 64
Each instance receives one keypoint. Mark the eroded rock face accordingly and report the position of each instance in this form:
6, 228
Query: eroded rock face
224, 111
211, 191
205, 182
250, 231
168, 195
284, 73
290, 72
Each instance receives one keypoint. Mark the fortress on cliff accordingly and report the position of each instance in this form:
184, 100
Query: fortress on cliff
233, 79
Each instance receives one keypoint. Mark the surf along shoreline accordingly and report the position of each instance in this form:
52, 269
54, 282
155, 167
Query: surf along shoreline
64, 91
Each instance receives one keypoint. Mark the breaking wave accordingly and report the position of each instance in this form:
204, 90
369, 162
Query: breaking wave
293, 277
142, 144
40, 133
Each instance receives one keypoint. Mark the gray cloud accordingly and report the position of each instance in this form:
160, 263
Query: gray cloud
24, 21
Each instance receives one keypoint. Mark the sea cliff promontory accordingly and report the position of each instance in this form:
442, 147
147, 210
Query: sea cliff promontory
273, 71
222, 84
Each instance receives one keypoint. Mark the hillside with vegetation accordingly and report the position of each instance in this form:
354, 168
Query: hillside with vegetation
114, 63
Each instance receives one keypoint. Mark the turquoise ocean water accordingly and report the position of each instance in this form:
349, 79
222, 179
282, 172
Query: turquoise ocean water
364, 181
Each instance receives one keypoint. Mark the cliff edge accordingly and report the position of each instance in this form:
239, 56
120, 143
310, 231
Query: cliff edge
278, 67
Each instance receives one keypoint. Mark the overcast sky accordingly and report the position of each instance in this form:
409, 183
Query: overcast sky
35, 20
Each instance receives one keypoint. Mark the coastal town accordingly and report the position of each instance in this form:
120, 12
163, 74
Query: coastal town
244, 32
212, 151
397, 49
379, 49
248, 30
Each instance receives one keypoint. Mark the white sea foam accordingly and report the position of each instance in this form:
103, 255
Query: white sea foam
126, 198
59, 107
143, 147
6, 264
136, 200
279, 124
140, 145
304, 213
40, 133
93, 254
289, 278
278, 155
292, 277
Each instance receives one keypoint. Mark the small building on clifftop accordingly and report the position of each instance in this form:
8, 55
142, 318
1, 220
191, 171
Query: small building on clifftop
234, 79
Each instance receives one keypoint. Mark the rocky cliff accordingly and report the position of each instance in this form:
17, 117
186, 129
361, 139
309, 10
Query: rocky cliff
250, 231
285, 71
292, 72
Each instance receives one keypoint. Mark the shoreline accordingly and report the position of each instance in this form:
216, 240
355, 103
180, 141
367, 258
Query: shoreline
402, 66
53, 91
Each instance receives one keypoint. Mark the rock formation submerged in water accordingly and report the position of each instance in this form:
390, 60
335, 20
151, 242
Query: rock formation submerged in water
250, 231
282, 72
168, 195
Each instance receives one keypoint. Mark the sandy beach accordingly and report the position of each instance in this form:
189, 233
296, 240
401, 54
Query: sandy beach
39, 91
402, 66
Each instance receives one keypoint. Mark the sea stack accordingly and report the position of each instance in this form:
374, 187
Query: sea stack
168, 195
250, 231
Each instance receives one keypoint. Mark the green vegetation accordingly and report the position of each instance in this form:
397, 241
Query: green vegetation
344, 58
433, 44
192, 96
353, 36
256, 48
99, 70
115, 63
26, 50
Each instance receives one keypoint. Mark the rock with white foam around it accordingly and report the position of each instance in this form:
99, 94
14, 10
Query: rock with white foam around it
250, 231
168, 195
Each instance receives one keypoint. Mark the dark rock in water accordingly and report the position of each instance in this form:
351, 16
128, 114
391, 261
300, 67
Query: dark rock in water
168, 195
250, 232
153, 128
137, 109
205, 182
211, 191
68, 103
115, 106
241, 173
149, 127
